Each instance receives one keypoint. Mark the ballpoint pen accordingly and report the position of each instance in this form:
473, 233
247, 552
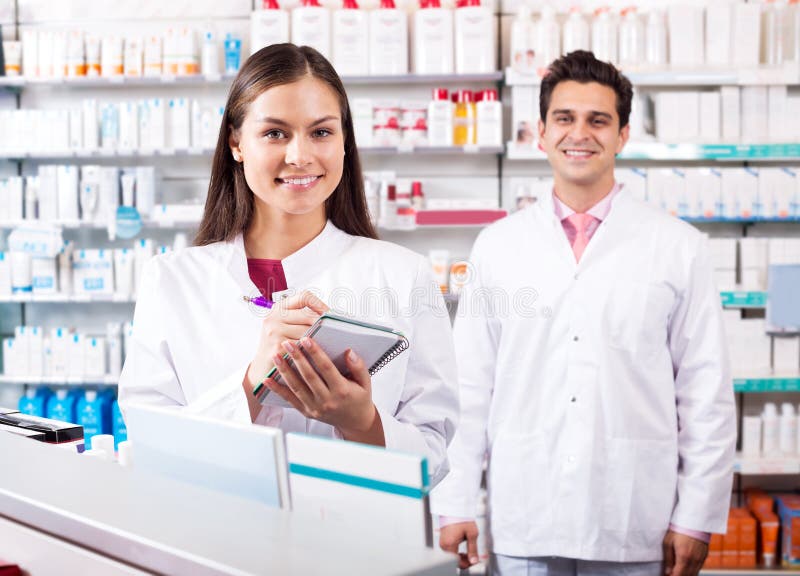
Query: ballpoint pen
259, 301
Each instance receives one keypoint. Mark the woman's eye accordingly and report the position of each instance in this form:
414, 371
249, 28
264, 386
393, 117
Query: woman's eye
322, 132
274, 134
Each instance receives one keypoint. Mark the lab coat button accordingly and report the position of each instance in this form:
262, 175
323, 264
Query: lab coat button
573, 399
574, 338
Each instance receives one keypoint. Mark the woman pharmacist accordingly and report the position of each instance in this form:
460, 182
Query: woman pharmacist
286, 210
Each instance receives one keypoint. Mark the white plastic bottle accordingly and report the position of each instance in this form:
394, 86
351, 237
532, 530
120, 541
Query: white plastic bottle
631, 38
769, 429
209, 60
772, 18
576, 31
311, 26
114, 348
489, 120
388, 40
521, 34
548, 35
604, 35
350, 40
474, 33
433, 39
440, 119
270, 25
656, 39
788, 430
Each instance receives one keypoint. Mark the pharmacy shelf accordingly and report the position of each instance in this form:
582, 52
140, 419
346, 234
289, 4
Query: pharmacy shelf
66, 299
106, 380
686, 78
743, 299
657, 151
748, 220
16, 83
201, 152
747, 571
80, 225
767, 384
775, 466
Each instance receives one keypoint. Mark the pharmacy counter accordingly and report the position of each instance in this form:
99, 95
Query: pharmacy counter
63, 513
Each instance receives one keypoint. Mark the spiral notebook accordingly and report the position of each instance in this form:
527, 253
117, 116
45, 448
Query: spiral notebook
376, 345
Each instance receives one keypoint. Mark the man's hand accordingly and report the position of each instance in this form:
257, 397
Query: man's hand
452, 535
683, 555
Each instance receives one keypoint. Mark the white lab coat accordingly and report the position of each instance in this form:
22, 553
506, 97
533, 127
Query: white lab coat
600, 389
194, 336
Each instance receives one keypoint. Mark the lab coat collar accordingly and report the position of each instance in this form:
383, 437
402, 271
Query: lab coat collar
299, 268
616, 226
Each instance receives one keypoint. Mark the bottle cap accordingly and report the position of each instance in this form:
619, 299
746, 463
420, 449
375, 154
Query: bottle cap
440, 94
270, 5
416, 189
350, 5
388, 4
464, 96
770, 410
490, 94
309, 3
391, 192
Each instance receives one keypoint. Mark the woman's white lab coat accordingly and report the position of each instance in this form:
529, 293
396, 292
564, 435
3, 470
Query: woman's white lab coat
600, 389
194, 335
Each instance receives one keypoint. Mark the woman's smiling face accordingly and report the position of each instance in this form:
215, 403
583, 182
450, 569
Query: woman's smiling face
291, 143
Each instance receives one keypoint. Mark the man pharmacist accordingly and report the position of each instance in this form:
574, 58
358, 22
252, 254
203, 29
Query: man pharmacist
592, 363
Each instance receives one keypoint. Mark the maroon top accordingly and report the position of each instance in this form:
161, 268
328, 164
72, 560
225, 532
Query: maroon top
267, 275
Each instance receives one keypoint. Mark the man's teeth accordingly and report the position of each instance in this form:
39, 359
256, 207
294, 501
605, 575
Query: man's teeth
300, 181
582, 153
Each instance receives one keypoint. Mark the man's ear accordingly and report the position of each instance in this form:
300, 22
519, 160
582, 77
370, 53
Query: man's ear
624, 134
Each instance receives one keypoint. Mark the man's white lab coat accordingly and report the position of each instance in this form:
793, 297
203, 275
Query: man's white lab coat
600, 389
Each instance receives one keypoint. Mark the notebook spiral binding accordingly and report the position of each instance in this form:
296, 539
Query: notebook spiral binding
391, 354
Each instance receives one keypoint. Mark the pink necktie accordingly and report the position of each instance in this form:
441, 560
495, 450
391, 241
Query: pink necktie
580, 222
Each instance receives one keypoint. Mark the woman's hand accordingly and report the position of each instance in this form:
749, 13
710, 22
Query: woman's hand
321, 392
287, 320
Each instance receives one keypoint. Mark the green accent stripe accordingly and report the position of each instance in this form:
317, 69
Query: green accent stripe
359, 481
766, 385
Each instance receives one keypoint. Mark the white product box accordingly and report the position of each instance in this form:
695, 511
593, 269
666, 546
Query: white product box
179, 124
93, 272
686, 41
91, 126
710, 117
719, 23
75, 356
94, 359
22, 353
59, 344
44, 275
75, 129
739, 192
362, 120
48, 193
667, 117
35, 351
15, 197
751, 435
666, 189
689, 116
634, 181
786, 354
779, 126
68, 179
128, 125
705, 189
10, 357
731, 113
755, 118
777, 188
524, 108
5, 274
746, 35
30, 53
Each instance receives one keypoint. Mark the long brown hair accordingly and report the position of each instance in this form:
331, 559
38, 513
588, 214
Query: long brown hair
230, 202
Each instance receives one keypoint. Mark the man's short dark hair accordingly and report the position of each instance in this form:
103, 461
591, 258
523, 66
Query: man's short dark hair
581, 66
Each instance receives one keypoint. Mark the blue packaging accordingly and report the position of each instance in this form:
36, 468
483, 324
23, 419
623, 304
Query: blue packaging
233, 54
34, 402
61, 406
92, 415
120, 430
